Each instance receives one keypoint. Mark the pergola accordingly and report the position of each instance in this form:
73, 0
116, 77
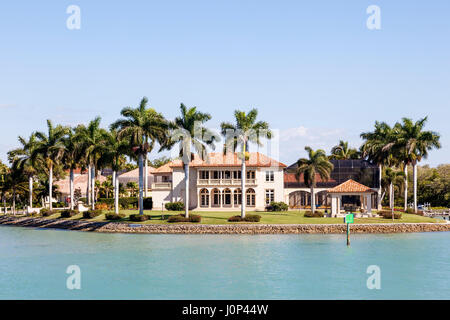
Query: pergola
350, 188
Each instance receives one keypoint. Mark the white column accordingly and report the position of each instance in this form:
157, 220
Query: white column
334, 204
369, 203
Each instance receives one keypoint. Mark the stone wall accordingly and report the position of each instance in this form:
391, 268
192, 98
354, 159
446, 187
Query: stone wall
222, 229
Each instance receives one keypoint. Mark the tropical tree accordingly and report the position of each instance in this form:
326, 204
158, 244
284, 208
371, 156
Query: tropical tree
71, 159
415, 143
343, 152
316, 163
391, 178
142, 127
132, 188
21, 159
238, 136
191, 136
91, 141
378, 148
114, 157
50, 147
15, 183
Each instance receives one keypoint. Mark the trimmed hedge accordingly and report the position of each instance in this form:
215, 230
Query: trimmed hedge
139, 217
91, 214
69, 213
388, 214
247, 218
277, 206
182, 218
315, 214
113, 216
124, 202
175, 206
46, 212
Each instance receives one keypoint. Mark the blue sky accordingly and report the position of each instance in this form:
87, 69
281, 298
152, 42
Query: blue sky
312, 68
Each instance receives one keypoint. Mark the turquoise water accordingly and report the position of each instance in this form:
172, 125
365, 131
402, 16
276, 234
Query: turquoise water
124, 266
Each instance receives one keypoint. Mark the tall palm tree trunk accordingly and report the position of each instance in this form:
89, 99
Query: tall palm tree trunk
88, 189
116, 193
146, 176
30, 188
415, 186
391, 196
14, 202
380, 196
50, 187
71, 189
93, 187
313, 200
243, 193
406, 187
114, 180
186, 187
141, 183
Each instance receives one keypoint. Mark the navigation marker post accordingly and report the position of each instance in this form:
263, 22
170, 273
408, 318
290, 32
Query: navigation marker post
348, 219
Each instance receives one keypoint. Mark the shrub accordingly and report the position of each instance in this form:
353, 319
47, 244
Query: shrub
148, 203
101, 206
113, 216
59, 204
388, 214
68, 213
139, 217
124, 202
315, 214
248, 218
182, 218
46, 212
91, 214
277, 206
175, 206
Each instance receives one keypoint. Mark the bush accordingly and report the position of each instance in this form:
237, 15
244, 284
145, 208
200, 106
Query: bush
175, 206
315, 214
59, 204
148, 203
139, 217
68, 213
277, 206
182, 218
101, 206
388, 214
46, 212
91, 214
124, 202
248, 218
113, 216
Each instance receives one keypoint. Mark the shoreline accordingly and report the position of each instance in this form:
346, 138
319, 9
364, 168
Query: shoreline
117, 227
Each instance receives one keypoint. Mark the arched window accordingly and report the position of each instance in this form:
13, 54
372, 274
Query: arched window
227, 197
251, 197
237, 197
215, 197
204, 198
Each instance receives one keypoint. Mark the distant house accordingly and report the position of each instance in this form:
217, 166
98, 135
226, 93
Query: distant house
215, 183
80, 181
133, 176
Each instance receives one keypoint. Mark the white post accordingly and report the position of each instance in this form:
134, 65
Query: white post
186, 186
116, 193
30, 188
369, 203
93, 187
406, 187
243, 194
415, 186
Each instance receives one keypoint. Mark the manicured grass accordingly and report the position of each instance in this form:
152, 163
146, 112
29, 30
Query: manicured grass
286, 217
221, 217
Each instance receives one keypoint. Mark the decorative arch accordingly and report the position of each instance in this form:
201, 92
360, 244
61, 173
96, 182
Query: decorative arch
251, 197
237, 197
204, 197
226, 195
215, 198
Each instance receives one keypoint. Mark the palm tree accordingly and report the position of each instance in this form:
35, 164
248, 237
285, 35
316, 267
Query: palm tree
189, 133
113, 156
238, 136
91, 139
377, 148
316, 163
15, 184
50, 147
392, 177
415, 144
71, 159
142, 128
343, 152
21, 159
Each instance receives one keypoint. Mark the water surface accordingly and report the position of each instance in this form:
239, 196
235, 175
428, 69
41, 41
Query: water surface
125, 266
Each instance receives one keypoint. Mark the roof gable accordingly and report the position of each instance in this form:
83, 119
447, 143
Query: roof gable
350, 186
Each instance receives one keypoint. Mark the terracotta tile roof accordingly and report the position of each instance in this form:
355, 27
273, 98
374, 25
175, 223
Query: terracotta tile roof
218, 159
291, 178
350, 186
166, 168
135, 173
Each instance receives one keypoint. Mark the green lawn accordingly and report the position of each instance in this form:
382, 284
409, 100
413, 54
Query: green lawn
287, 217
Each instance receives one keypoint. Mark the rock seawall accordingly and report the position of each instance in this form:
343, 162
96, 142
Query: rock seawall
109, 227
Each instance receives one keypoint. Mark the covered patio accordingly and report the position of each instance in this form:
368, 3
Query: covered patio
351, 188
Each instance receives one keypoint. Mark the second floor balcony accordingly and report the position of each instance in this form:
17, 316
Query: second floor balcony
225, 182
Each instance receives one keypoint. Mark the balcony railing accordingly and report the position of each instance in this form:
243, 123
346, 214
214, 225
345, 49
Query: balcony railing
225, 182
162, 185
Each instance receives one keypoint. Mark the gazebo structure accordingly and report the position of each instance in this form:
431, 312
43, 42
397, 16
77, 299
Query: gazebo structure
350, 188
